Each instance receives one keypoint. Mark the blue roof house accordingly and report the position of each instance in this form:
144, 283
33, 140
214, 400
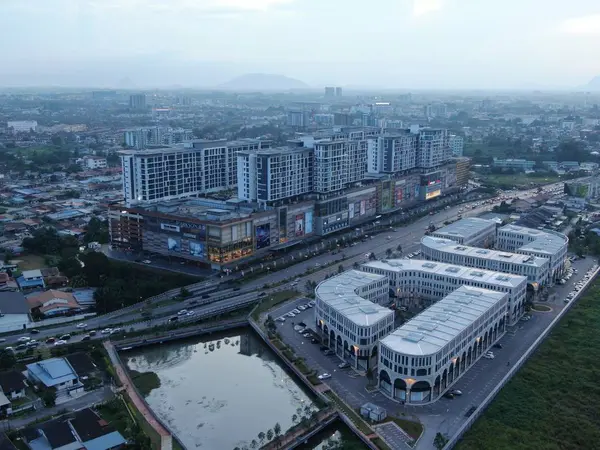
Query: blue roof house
53, 372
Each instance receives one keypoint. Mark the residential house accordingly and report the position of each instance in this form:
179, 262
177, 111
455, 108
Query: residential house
85, 430
54, 372
94, 432
31, 279
12, 384
14, 311
82, 364
53, 303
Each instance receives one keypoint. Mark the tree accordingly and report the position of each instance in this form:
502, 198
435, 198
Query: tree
440, 441
372, 256
388, 252
340, 268
269, 435
70, 267
7, 360
261, 437
356, 265
399, 248
253, 444
96, 231
277, 430
49, 397
294, 418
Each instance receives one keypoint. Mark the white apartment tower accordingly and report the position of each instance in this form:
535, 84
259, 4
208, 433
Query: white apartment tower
270, 175
457, 144
392, 153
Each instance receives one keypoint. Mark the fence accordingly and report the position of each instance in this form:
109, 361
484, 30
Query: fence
481, 408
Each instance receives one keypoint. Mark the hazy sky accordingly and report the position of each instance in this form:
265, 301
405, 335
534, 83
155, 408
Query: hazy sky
390, 43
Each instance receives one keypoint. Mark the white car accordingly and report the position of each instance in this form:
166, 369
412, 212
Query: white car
116, 330
190, 313
147, 261
183, 312
308, 305
311, 303
60, 342
280, 319
106, 331
489, 356
291, 314
295, 311
324, 376
24, 339
301, 307
81, 325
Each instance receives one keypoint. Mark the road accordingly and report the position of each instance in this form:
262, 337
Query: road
408, 236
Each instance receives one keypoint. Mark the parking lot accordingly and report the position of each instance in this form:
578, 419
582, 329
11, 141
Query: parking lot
445, 415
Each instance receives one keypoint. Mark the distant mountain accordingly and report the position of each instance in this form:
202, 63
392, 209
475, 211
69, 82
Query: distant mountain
263, 82
594, 84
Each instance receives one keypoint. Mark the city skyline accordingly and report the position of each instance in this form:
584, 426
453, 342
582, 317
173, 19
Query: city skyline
450, 44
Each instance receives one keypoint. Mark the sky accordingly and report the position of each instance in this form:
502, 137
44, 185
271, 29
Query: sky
400, 44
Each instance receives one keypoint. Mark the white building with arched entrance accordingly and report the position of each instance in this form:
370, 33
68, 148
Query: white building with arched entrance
348, 315
427, 354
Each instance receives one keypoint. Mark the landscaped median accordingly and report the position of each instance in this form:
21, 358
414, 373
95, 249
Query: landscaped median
552, 402
270, 300
296, 361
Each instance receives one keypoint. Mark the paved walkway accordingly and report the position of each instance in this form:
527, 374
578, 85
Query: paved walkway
136, 399
393, 435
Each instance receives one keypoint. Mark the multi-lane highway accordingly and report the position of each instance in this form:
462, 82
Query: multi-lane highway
408, 236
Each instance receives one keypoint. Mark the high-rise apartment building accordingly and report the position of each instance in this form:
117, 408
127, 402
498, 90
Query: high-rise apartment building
457, 144
338, 91
298, 119
137, 101
392, 152
151, 176
433, 147
268, 176
329, 91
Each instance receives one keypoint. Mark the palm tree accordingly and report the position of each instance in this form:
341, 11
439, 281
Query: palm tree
399, 248
277, 430
294, 418
372, 256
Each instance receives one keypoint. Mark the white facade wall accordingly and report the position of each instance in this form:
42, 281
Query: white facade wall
433, 281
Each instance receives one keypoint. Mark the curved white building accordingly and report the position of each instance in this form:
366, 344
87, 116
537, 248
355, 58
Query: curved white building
542, 243
432, 281
348, 314
423, 357
469, 231
536, 269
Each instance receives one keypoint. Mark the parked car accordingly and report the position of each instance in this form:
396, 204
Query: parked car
497, 345
324, 376
448, 395
456, 392
344, 365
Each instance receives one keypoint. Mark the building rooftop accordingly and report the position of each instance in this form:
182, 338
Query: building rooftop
450, 246
428, 332
449, 270
464, 228
198, 209
544, 241
339, 292
13, 303
52, 371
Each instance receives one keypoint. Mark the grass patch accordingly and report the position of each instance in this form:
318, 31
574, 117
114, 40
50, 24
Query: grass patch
540, 408
278, 344
350, 413
380, 444
413, 429
518, 180
145, 382
271, 300
289, 355
541, 308
302, 367
29, 262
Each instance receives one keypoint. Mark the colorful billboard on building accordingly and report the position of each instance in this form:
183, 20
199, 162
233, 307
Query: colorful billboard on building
197, 249
363, 207
173, 245
263, 236
433, 194
308, 222
299, 225
351, 210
